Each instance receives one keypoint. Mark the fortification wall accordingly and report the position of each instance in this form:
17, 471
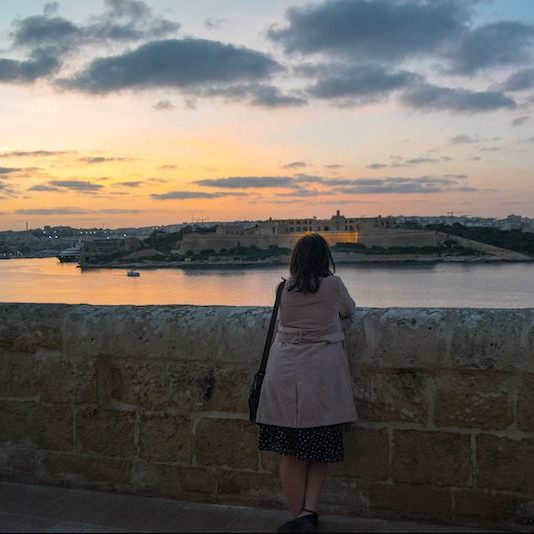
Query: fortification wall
152, 400
397, 237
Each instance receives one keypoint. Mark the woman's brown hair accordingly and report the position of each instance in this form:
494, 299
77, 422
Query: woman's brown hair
311, 261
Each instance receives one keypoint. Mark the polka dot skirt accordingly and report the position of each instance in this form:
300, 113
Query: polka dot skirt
318, 444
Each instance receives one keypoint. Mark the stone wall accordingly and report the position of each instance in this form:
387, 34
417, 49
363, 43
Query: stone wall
397, 237
152, 400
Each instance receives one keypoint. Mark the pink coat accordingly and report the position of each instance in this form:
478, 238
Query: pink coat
308, 382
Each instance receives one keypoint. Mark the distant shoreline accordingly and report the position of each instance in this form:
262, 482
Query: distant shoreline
393, 260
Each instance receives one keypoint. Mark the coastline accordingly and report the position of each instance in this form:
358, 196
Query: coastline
361, 259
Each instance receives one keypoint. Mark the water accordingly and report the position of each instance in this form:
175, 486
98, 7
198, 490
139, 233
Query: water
441, 285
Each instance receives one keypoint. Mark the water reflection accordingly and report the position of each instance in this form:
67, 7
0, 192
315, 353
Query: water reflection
374, 285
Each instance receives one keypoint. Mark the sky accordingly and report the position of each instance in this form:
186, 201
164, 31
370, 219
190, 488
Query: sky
122, 113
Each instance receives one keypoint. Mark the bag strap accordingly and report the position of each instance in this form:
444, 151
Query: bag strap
270, 334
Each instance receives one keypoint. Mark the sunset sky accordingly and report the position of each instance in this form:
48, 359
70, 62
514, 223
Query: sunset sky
130, 113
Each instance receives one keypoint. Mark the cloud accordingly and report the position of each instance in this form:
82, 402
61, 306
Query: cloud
44, 187
189, 195
493, 45
428, 97
295, 165
50, 9
418, 161
164, 105
130, 184
34, 153
356, 84
519, 81
119, 211
102, 159
377, 166
41, 64
9, 170
259, 95
52, 211
463, 139
183, 64
334, 166
168, 167
520, 120
377, 30
244, 182
213, 23
76, 185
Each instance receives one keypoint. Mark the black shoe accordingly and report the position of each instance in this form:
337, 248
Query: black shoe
305, 523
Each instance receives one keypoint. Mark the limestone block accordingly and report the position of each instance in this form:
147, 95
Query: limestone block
493, 339
471, 399
166, 438
177, 482
405, 501
366, 455
269, 461
226, 443
505, 464
350, 493
489, 509
105, 432
51, 427
400, 338
433, 458
19, 375
168, 332
17, 464
83, 471
15, 421
391, 396
30, 327
525, 406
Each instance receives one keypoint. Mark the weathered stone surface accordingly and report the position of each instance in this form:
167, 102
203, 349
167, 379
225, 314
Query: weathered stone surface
51, 427
105, 432
401, 338
434, 458
269, 461
391, 396
525, 404
30, 327
366, 455
226, 442
493, 339
171, 332
79, 470
166, 438
410, 502
470, 399
15, 422
351, 493
249, 487
19, 375
17, 464
178, 482
505, 464
485, 509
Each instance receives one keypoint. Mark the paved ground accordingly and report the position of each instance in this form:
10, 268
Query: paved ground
27, 508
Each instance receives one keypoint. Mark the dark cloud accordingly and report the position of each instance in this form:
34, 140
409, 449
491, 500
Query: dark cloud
53, 211
9, 170
428, 97
377, 166
76, 185
189, 195
119, 211
419, 161
40, 64
334, 166
185, 64
39, 32
463, 139
50, 9
357, 84
295, 165
130, 184
520, 120
365, 30
34, 153
164, 105
244, 182
493, 45
102, 159
44, 187
519, 81
259, 95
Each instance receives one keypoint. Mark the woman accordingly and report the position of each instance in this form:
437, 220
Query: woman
306, 398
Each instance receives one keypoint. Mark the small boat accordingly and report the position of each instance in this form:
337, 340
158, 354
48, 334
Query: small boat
134, 274
70, 255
